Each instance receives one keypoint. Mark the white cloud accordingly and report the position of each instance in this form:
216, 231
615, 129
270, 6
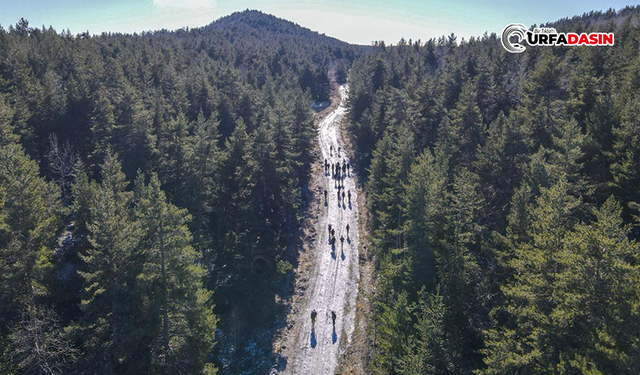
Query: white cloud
186, 4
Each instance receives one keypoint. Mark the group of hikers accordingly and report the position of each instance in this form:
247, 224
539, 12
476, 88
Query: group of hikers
314, 314
340, 194
332, 235
339, 171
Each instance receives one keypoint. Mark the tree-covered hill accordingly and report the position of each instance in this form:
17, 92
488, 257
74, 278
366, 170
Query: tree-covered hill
260, 24
152, 189
144, 180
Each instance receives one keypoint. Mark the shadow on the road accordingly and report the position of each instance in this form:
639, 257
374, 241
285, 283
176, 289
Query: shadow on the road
313, 337
334, 336
349, 240
342, 255
333, 254
350, 206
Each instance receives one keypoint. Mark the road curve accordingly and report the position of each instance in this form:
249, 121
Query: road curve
333, 285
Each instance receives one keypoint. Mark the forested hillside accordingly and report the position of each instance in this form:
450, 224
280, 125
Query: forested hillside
151, 188
503, 192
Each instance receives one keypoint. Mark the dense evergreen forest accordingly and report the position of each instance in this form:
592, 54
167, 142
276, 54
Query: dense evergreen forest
503, 191
146, 179
152, 188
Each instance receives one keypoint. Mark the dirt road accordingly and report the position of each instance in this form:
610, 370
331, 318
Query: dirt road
333, 284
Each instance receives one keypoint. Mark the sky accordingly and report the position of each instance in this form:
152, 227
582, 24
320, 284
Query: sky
354, 21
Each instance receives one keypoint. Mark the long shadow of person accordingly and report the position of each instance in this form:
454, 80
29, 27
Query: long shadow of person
333, 254
334, 336
313, 337
350, 206
342, 255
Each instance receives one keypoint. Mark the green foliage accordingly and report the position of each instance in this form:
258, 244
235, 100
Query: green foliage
510, 156
426, 353
144, 305
111, 322
175, 301
30, 213
503, 190
221, 115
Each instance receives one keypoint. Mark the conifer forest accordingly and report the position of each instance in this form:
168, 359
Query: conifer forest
167, 201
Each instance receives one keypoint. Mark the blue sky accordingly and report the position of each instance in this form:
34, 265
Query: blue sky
355, 21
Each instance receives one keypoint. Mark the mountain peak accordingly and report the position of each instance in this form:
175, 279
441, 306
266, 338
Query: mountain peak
254, 20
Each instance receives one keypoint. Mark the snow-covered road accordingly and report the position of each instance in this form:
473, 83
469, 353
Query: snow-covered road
333, 284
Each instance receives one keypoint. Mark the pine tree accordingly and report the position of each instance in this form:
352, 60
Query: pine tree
234, 212
457, 264
202, 168
136, 135
392, 328
7, 131
625, 163
426, 353
424, 206
499, 165
174, 154
527, 342
597, 297
303, 134
111, 327
103, 125
30, 217
389, 170
178, 311
468, 119
567, 159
